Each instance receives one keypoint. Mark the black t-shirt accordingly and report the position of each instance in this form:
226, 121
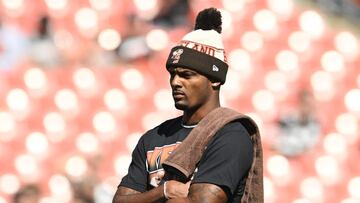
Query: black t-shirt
225, 162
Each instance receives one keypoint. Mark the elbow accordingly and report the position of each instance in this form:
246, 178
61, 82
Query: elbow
115, 199
118, 199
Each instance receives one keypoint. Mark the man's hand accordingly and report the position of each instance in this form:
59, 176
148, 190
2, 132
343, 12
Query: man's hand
175, 189
202, 192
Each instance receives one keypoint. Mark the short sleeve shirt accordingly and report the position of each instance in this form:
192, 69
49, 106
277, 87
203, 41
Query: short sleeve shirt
225, 162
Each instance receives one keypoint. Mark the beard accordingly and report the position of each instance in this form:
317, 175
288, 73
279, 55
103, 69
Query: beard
181, 106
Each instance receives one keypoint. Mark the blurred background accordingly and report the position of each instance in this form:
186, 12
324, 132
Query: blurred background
80, 81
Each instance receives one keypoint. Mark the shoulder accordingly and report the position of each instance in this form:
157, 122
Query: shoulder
232, 136
234, 128
163, 128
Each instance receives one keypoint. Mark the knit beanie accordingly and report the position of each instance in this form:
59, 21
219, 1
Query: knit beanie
202, 49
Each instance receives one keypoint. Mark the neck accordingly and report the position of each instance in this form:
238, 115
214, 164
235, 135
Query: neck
193, 116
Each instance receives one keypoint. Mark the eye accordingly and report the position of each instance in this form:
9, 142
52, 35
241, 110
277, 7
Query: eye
186, 74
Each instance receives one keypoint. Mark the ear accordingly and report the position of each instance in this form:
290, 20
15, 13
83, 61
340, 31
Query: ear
215, 84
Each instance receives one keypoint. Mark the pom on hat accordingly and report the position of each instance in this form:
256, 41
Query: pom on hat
209, 19
202, 50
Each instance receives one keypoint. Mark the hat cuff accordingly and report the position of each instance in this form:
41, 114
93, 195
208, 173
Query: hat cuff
202, 63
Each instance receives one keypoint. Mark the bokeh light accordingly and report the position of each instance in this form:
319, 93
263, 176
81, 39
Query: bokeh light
101, 4
265, 21
312, 23
347, 124
299, 41
347, 44
87, 143
157, 39
354, 187
283, 8
9, 183
84, 80
252, 41
56, 4
287, 61
276, 81
163, 99
37, 143
279, 168
240, 60
121, 164
116, 100
18, 101
327, 169
66, 100
352, 100
323, 85
227, 21
269, 191
104, 123
132, 140
3, 200
7, 126
26, 165
60, 187
55, 125
152, 119
109, 39
52, 199
36, 80
132, 79
312, 189
234, 5
233, 87
350, 200
145, 5
76, 166
332, 61
14, 5
263, 100
335, 145
86, 19
302, 200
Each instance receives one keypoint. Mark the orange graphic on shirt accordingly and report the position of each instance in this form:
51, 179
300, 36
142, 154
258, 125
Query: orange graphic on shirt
156, 157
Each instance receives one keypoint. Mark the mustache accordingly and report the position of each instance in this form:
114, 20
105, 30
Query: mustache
177, 91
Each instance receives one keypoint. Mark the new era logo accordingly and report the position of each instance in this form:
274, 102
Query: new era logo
215, 68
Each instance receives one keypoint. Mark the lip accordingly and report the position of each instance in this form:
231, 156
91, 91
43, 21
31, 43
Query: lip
178, 94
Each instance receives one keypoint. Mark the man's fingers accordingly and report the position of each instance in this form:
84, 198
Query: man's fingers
161, 174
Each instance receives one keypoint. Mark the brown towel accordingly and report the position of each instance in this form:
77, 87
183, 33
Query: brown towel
186, 156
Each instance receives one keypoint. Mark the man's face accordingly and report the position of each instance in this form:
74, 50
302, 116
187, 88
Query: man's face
190, 89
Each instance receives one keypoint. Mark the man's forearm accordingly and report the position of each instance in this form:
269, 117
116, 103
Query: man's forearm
151, 196
202, 192
179, 200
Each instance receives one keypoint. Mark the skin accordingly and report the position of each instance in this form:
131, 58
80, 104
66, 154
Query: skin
193, 93
196, 96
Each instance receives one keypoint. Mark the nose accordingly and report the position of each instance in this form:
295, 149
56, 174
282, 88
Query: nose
175, 81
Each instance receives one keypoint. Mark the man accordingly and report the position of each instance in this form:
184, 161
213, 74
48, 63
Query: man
197, 68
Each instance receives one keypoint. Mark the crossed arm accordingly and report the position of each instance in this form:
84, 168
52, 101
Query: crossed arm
202, 193
177, 193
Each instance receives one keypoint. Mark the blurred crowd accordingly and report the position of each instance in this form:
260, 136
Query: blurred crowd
40, 48
349, 9
298, 128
